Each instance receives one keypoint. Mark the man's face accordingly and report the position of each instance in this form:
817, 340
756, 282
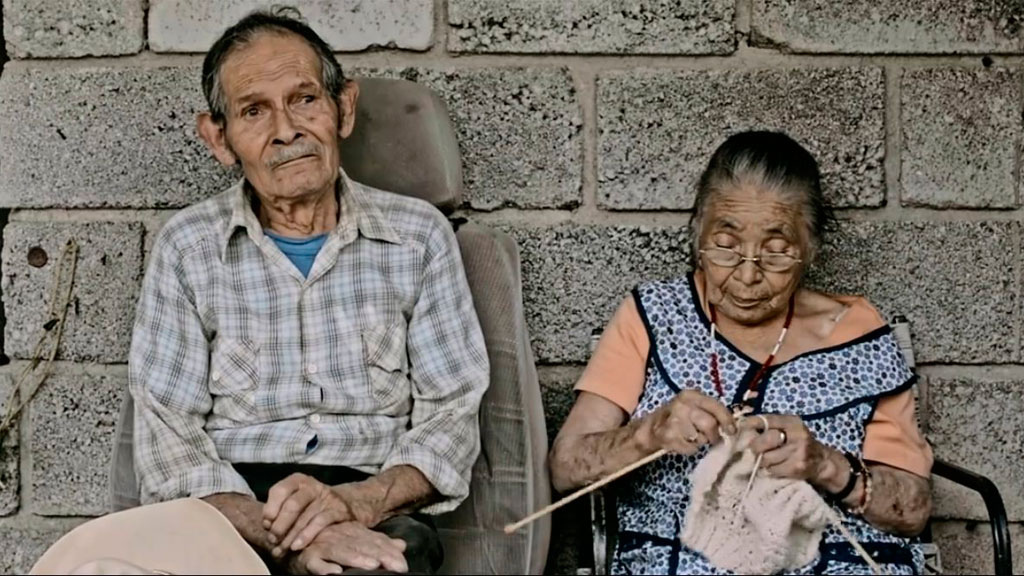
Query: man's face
280, 122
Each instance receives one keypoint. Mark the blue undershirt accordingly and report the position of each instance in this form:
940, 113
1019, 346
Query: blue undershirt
301, 251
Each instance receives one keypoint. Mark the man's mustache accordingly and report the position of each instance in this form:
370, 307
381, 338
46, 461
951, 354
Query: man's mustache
292, 152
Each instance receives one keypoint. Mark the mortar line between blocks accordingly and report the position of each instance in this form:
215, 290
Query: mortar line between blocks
585, 83
893, 140
744, 58
439, 35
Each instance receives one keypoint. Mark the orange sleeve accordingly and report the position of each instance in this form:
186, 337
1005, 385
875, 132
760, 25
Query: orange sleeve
893, 438
617, 369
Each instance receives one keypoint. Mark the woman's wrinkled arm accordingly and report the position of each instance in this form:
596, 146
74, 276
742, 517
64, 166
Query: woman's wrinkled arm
594, 443
901, 501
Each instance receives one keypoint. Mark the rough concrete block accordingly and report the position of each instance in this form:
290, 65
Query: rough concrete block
519, 132
73, 421
592, 26
888, 26
9, 455
556, 393
60, 29
113, 137
194, 25
108, 276
574, 277
24, 541
977, 425
657, 129
961, 137
966, 547
955, 281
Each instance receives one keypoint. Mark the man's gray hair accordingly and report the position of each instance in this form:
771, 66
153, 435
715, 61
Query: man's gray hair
275, 20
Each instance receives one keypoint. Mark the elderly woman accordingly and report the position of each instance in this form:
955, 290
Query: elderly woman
741, 333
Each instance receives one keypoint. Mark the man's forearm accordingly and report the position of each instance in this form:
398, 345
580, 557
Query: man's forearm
246, 514
394, 491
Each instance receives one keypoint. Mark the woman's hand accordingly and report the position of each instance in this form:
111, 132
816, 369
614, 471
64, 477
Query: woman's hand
789, 450
689, 421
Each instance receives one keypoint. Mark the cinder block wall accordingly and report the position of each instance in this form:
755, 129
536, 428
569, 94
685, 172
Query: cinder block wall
583, 126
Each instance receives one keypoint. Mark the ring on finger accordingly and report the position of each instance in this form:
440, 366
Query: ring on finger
782, 437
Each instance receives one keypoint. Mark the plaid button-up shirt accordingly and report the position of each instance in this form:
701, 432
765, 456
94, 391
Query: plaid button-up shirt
374, 360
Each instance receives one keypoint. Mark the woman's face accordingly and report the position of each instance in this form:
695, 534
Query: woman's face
753, 223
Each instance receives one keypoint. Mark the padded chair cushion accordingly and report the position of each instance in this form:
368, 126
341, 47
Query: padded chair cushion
124, 485
510, 478
404, 142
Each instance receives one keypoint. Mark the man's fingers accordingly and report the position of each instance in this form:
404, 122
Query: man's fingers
399, 544
389, 551
347, 555
278, 494
290, 511
321, 566
306, 529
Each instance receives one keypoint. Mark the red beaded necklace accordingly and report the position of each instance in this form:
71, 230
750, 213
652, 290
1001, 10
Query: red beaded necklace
744, 406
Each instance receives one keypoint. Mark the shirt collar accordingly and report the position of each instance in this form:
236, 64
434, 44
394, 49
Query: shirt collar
356, 215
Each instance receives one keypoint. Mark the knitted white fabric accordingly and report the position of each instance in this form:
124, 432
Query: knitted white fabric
776, 528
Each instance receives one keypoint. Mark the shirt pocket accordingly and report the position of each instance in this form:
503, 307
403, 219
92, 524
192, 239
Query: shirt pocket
234, 376
387, 362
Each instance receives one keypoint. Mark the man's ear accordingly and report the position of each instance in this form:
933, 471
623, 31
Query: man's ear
212, 134
347, 108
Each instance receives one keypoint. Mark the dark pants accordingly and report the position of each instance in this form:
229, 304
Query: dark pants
423, 551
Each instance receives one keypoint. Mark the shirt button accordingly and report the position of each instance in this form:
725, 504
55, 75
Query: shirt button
215, 376
311, 368
314, 418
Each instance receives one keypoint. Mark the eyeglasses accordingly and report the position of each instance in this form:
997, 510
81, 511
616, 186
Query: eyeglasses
767, 261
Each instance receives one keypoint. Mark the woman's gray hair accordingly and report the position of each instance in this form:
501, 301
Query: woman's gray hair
277, 19
770, 162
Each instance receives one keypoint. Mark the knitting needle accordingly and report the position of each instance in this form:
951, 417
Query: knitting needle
510, 528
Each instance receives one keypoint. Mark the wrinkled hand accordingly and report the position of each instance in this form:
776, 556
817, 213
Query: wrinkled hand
349, 545
787, 447
299, 507
689, 421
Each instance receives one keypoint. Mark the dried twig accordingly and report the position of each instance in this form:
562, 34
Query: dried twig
53, 330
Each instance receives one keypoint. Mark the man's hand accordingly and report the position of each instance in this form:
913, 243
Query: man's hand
349, 545
300, 506
244, 513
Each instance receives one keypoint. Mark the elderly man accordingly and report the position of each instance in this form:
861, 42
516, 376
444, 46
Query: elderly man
306, 356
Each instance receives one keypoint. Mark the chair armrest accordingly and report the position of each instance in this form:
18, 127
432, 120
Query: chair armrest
993, 503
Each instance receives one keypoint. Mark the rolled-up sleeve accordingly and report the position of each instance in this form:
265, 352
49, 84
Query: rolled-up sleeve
449, 373
167, 378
